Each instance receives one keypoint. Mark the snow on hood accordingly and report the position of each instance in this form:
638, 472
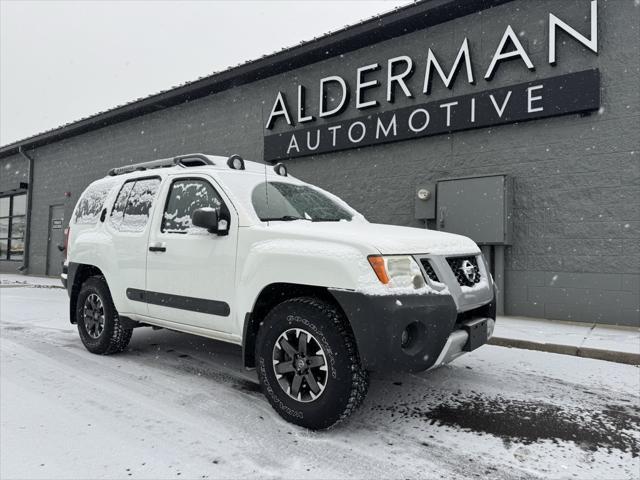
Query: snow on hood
387, 239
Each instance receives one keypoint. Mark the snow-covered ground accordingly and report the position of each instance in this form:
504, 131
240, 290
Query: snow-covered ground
177, 406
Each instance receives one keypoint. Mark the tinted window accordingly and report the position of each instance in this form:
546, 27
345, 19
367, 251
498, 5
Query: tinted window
5, 203
117, 213
19, 205
132, 207
92, 202
12, 227
285, 201
185, 197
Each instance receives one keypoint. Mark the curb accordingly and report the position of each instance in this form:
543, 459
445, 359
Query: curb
28, 285
595, 353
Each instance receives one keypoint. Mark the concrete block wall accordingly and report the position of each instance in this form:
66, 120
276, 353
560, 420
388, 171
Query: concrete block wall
577, 184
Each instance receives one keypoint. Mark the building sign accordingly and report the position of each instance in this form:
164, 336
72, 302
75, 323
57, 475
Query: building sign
539, 98
571, 93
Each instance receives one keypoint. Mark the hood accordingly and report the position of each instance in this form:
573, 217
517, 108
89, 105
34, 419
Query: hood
387, 239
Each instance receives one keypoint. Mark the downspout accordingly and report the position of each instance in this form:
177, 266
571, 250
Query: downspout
27, 234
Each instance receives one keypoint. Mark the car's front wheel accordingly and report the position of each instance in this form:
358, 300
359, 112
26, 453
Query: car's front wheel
308, 363
98, 323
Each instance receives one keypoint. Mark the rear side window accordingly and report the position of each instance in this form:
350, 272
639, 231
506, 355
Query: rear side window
92, 202
185, 197
132, 207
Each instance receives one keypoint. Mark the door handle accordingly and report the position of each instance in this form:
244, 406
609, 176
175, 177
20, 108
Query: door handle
157, 247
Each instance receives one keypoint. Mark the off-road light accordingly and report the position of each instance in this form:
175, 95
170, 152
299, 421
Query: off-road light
235, 162
280, 169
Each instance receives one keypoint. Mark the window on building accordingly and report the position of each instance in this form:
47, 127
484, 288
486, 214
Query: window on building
133, 206
187, 196
13, 221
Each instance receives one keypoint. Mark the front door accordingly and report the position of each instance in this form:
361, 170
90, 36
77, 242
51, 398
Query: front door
191, 272
55, 240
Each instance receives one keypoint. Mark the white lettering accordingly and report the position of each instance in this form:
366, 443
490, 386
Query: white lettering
293, 143
315, 147
448, 107
333, 131
531, 99
323, 95
279, 108
500, 110
398, 78
427, 117
360, 86
302, 106
364, 131
385, 131
519, 51
473, 109
591, 44
448, 79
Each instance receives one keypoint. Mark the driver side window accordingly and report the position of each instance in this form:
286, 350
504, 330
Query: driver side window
186, 196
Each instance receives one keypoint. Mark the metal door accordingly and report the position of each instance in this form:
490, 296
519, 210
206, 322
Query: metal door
55, 239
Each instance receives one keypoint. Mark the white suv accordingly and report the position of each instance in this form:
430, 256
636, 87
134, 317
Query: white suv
243, 252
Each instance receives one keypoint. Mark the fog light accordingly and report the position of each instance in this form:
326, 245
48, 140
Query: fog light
410, 338
406, 337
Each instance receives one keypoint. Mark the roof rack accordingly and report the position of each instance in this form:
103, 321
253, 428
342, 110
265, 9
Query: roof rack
189, 160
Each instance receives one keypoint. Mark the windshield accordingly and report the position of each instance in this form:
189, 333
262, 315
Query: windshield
286, 201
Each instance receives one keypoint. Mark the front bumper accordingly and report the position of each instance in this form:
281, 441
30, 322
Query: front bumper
437, 332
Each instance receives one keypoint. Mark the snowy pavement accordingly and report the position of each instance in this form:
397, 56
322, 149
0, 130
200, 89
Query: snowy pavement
177, 406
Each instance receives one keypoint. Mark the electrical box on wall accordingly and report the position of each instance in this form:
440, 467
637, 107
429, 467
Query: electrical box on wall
425, 201
476, 207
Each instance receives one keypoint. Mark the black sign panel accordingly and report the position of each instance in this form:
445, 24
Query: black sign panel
564, 94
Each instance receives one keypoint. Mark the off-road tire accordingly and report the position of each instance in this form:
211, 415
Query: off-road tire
346, 381
114, 338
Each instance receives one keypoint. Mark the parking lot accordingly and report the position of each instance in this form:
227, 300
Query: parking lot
178, 406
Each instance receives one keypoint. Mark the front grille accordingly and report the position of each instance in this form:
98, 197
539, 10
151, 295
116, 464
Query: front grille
465, 269
431, 273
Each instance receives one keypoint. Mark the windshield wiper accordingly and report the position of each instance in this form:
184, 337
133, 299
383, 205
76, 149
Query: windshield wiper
329, 219
284, 218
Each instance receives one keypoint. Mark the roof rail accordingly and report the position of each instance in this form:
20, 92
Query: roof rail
189, 160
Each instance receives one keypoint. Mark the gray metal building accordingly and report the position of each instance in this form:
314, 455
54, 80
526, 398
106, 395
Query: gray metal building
515, 122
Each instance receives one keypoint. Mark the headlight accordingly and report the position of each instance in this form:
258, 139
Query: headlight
397, 271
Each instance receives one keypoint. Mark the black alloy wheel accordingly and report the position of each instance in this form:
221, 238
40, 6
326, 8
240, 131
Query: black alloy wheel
300, 365
93, 312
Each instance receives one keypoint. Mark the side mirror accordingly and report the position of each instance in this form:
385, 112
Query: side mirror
206, 218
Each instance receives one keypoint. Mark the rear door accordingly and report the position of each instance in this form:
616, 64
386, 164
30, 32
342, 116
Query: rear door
190, 272
129, 225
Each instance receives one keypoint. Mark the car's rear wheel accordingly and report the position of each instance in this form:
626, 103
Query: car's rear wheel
98, 323
308, 363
